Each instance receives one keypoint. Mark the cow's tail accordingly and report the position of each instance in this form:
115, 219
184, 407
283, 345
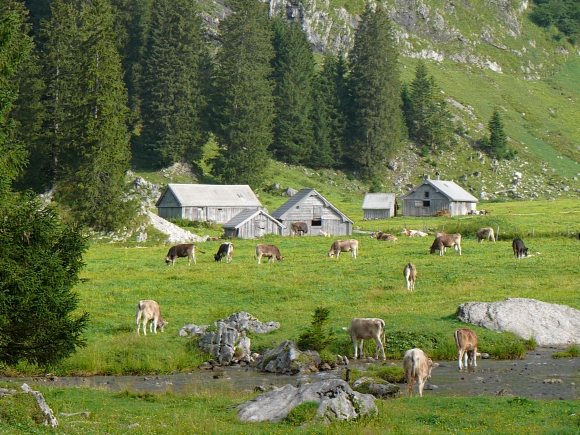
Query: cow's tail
199, 250
383, 337
456, 335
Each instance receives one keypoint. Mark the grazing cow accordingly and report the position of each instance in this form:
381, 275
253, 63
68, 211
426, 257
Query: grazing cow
269, 251
384, 236
339, 246
520, 250
226, 250
183, 250
299, 228
418, 368
485, 233
410, 274
361, 328
413, 233
148, 310
443, 241
466, 342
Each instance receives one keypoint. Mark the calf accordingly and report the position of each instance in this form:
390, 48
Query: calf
339, 246
361, 328
226, 250
443, 240
183, 250
485, 233
299, 228
148, 310
417, 366
269, 251
466, 342
413, 233
410, 274
520, 250
384, 236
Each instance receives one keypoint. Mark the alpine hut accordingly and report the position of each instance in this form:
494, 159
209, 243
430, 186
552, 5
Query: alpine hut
206, 202
251, 224
433, 196
309, 206
379, 206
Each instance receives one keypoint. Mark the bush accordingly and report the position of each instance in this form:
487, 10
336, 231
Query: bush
317, 336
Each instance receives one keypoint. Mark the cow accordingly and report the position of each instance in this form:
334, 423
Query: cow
183, 250
299, 228
520, 250
410, 274
148, 310
269, 251
443, 241
365, 327
485, 233
417, 366
226, 250
466, 342
413, 233
339, 246
384, 236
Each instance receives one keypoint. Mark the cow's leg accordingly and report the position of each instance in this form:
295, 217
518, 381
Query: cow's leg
421, 386
354, 340
155, 325
410, 385
259, 258
474, 359
460, 357
145, 327
379, 347
138, 320
362, 348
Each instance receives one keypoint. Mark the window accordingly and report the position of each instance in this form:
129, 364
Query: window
426, 203
426, 194
316, 222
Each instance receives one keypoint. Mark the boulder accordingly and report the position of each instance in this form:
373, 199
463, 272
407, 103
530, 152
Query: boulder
548, 324
381, 389
337, 401
288, 359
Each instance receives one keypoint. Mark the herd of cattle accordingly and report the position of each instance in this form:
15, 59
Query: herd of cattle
417, 365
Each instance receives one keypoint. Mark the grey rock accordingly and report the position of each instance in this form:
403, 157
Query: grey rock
287, 359
378, 388
548, 324
337, 401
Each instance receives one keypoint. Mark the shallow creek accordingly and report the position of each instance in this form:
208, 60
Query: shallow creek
538, 376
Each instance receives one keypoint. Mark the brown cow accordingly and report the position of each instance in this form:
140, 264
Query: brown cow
339, 246
485, 233
410, 274
466, 342
148, 310
269, 251
418, 368
183, 250
299, 228
379, 235
443, 240
361, 328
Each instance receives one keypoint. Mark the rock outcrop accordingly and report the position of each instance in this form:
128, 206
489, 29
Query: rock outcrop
337, 401
288, 359
548, 324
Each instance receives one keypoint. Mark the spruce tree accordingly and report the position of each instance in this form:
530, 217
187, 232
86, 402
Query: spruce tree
172, 101
244, 105
376, 119
497, 141
293, 76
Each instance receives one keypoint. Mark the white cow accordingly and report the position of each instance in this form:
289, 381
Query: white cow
148, 310
365, 327
410, 274
418, 368
466, 342
413, 233
485, 233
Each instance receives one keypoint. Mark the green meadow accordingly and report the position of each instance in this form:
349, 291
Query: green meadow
117, 276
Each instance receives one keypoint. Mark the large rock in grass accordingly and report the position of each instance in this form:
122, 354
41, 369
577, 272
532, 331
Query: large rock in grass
337, 401
288, 359
548, 324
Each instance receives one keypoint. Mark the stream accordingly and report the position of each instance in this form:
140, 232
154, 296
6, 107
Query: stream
537, 376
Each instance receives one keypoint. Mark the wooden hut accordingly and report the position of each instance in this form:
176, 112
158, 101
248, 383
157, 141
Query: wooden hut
206, 202
251, 224
433, 196
379, 206
320, 215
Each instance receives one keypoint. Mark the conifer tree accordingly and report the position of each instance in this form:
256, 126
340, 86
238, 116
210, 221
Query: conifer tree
244, 105
376, 119
497, 142
172, 101
293, 76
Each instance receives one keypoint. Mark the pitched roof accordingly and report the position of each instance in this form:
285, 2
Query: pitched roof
378, 201
245, 215
450, 189
214, 195
301, 196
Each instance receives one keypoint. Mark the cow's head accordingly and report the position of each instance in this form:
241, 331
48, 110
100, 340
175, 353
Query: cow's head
525, 252
162, 322
168, 260
217, 257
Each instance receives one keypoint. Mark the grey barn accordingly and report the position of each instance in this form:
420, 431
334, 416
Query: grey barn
379, 206
433, 196
250, 224
206, 202
320, 215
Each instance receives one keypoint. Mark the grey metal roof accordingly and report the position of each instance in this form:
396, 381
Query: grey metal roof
245, 215
450, 189
378, 201
298, 198
213, 195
